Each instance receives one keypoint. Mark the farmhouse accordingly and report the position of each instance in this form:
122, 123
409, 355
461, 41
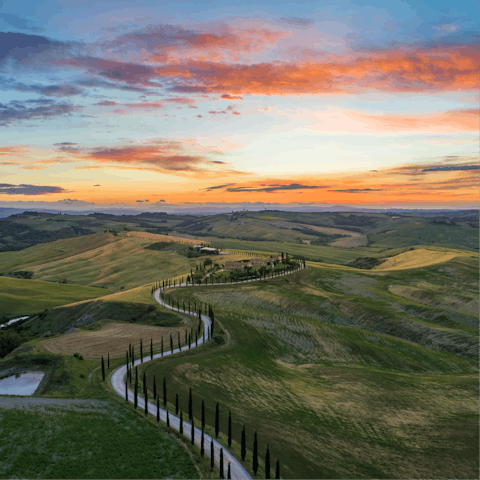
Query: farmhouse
231, 266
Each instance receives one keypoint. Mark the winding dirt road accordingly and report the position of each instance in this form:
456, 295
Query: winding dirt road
118, 383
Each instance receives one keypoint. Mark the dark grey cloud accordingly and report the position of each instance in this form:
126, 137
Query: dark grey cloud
219, 186
65, 144
9, 189
451, 168
274, 188
299, 22
21, 46
358, 190
45, 90
34, 109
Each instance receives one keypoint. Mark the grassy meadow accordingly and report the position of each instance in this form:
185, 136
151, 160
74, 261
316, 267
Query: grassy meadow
75, 439
343, 372
340, 376
18, 296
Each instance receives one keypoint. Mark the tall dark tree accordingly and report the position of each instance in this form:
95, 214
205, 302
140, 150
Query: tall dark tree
178, 338
158, 409
108, 359
186, 339
151, 349
267, 463
255, 454
126, 356
171, 343
135, 396
212, 455
229, 472
133, 355
146, 402
144, 383
203, 414
202, 443
277, 470
176, 404
136, 376
189, 341
229, 429
243, 444
221, 463
217, 420
196, 339
190, 405
162, 348
168, 419
126, 391
154, 387
192, 433
164, 392
181, 422
141, 351
103, 368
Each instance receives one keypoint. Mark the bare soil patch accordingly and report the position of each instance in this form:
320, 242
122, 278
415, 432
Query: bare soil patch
113, 338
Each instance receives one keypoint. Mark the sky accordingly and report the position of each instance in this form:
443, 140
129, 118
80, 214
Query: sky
150, 104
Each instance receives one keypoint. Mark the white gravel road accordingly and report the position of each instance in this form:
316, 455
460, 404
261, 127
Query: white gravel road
117, 380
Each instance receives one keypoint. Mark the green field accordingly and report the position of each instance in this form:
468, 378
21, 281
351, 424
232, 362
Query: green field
98, 436
340, 376
344, 372
18, 297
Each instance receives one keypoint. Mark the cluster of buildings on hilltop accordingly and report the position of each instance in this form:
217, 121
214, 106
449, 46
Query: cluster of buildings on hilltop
253, 262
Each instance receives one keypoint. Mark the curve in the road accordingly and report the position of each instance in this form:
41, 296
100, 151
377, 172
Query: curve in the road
117, 380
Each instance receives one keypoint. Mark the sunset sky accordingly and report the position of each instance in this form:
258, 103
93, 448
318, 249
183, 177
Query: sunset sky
152, 103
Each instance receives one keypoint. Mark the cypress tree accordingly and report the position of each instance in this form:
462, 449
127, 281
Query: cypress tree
144, 383
108, 360
229, 473
217, 420
277, 470
136, 376
186, 339
171, 343
154, 387
255, 454
192, 434
146, 402
202, 443
196, 339
151, 349
135, 398
190, 405
162, 348
103, 369
212, 455
126, 356
244, 444
178, 338
221, 463
133, 356
158, 409
267, 463
168, 419
229, 429
189, 341
126, 391
164, 392
181, 422
141, 351
203, 414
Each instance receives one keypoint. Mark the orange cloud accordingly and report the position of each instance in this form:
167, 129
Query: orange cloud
393, 71
451, 121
